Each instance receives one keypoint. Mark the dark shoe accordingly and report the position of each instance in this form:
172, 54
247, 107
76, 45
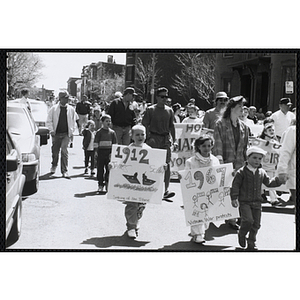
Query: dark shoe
242, 241
251, 248
232, 224
86, 170
92, 172
71, 145
168, 194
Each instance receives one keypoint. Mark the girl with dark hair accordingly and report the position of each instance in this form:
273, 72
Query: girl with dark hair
202, 158
232, 138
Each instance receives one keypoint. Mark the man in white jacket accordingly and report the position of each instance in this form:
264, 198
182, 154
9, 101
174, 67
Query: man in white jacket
61, 122
286, 167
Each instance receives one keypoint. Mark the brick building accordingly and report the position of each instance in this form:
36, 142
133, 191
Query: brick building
262, 78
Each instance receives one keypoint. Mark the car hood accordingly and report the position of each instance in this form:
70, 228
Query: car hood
26, 144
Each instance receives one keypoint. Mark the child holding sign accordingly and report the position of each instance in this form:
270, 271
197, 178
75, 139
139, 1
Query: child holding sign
246, 193
134, 210
268, 134
202, 158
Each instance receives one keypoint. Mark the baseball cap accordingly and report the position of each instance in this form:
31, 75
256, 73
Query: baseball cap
63, 95
255, 149
221, 95
286, 101
130, 90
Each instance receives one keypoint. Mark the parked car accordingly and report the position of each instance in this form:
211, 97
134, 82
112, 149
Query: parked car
39, 110
15, 181
27, 136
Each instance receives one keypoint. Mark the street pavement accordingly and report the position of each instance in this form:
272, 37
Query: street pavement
70, 214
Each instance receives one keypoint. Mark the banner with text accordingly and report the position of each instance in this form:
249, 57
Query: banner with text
186, 133
270, 161
206, 194
137, 174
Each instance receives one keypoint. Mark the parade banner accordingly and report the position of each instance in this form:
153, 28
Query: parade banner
206, 194
186, 133
256, 129
137, 174
270, 161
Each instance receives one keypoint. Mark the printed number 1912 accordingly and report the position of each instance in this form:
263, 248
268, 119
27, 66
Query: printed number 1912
132, 155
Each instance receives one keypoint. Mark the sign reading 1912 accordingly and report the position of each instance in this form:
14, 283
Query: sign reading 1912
137, 174
206, 194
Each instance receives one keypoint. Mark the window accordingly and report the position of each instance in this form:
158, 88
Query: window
227, 85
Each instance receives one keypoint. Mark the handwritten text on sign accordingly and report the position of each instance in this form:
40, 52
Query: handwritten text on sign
137, 174
206, 194
185, 135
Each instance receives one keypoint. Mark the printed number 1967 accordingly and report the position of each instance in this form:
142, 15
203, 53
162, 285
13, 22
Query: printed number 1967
132, 155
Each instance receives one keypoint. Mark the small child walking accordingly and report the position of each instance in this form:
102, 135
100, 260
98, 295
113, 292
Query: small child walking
202, 158
268, 134
134, 210
88, 146
104, 139
245, 193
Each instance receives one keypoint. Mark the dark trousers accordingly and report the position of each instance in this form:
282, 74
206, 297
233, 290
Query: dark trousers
87, 156
250, 220
103, 160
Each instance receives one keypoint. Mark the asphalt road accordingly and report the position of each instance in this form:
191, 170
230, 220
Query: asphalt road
69, 214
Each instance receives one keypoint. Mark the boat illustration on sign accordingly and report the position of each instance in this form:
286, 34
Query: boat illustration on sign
132, 178
147, 181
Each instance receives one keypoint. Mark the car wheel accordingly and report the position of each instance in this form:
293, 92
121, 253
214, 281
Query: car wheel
16, 227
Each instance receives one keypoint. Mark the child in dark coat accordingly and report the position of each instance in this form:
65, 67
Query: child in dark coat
246, 193
88, 146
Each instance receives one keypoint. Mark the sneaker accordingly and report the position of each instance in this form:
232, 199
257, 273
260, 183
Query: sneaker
199, 239
92, 172
276, 203
131, 233
86, 170
100, 188
168, 194
65, 175
242, 241
53, 169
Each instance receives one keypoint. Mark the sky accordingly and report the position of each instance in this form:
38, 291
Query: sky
60, 66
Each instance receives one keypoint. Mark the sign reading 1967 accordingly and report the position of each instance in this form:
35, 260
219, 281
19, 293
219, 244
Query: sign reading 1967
131, 153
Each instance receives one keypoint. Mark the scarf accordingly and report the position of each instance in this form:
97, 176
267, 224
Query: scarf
205, 161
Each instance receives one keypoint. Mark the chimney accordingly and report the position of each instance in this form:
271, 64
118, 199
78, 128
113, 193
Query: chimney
110, 58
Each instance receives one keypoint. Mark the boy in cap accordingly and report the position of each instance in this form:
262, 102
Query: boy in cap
246, 193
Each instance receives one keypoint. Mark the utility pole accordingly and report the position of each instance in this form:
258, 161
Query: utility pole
152, 83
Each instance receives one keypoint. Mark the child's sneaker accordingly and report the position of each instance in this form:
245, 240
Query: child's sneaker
100, 188
131, 233
199, 239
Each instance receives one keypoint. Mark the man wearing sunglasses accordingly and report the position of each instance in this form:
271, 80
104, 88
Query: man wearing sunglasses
159, 122
213, 114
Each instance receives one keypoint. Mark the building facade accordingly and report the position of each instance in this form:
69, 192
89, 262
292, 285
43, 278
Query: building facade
262, 78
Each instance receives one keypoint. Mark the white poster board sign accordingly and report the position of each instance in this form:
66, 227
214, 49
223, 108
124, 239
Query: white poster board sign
270, 160
137, 174
185, 133
206, 194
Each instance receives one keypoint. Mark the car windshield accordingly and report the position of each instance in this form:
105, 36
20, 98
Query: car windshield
18, 122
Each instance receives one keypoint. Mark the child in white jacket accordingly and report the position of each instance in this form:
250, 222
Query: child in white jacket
202, 158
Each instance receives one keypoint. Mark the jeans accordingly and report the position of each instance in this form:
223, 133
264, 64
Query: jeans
103, 160
250, 220
87, 155
60, 142
133, 213
123, 134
